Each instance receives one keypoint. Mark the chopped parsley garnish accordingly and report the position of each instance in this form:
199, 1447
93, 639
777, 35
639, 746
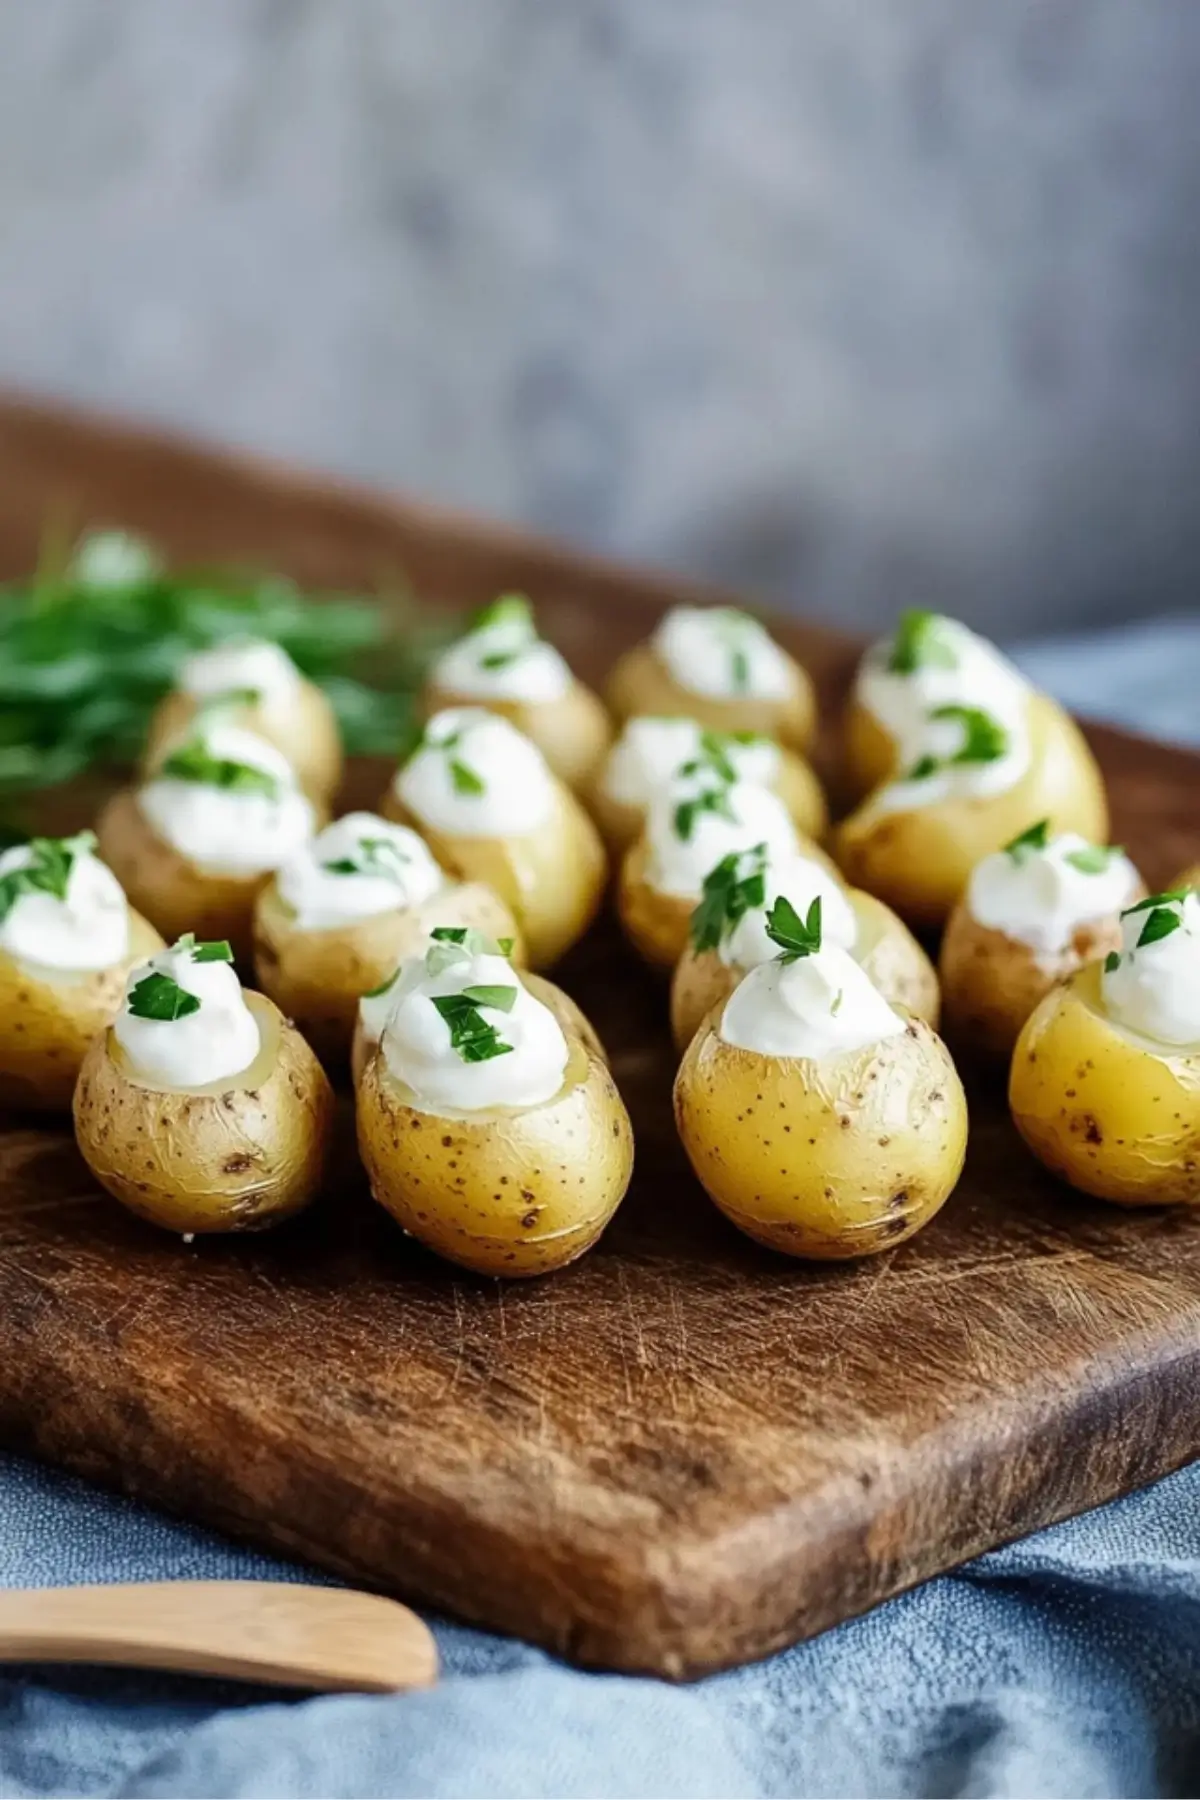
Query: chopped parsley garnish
920, 643
735, 887
735, 629
158, 997
373, 856
711, 800
505, 609
1162, 918
465, 780
1112, 961
1093, 859
713, 755
795, 936
1036, 838
48, 870
984, 740
211, 950
196, 762
471, 1035
740, 669
454, 944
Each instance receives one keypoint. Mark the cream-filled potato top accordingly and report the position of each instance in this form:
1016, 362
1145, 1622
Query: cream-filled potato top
700, 819
184, 1021
1151, 985
463, 1033
475, 775
60, 906
356, 868
812, 1001
253, 669
227, 801
651, 751
1040, 889
733, 915
723, 654
502, 657
932, 661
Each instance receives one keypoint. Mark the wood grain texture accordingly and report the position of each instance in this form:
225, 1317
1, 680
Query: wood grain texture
680, 1454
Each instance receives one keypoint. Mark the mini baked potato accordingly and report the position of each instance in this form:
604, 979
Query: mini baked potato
1105, 1079
652, 752
1032, 914
501, 663
492, 811
821, 1122
68, 939
240, 1150
721, 667
488, 1130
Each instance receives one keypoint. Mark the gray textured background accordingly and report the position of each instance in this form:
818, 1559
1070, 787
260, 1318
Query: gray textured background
855, 302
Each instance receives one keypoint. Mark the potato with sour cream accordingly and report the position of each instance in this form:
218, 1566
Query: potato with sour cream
68, 939
650, 753
489, 1130
193, 845
729, 936
1032, 914
491, 810
502, 664
820, 1120
721, 667
1105, 1079
201, 1108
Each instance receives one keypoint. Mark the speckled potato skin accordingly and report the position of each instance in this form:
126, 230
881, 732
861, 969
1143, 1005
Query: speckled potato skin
640, 684
48, 1017
512, 1193
826, 1160
919, 861
868, 752
236, 1155
318, 977
885, 948
169, 890
1100, 1110
991, 982
308, 737
573, 732
796, 784
552, 880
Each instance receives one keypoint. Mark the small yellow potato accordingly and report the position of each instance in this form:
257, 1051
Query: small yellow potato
305, 731
991, 982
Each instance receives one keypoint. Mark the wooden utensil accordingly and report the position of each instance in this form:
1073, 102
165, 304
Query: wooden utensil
273, 1631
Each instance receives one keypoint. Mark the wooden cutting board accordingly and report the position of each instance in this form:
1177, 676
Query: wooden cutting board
684, 1452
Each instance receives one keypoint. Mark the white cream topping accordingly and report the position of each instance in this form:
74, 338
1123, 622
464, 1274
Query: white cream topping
820, 1005
963, 669
242, 665
650, 751
356, 868
475, 775
945, 741
1040, 897
723, 654
214, 1043
801, 881
417, 1043
503, 658
1154, 990
87, 929
224, 830
685, 839
114, 559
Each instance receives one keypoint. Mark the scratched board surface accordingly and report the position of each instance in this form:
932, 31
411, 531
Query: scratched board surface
681, 1453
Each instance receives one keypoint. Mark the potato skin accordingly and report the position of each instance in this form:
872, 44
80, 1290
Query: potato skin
48, 1017
169, 890
308, 737
640, 683
868, 752
512, 1193
316, 978
919, 861
1186, 878
885, 948
829, 1160
235, 1155
991, 982
796, 784
552, 880
1107, 1116
573, 733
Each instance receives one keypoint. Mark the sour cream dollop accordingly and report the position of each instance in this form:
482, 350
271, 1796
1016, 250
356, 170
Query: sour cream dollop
952, 666
475, 775
685, 837
723, 654
356, 868
214, 1043
417, 1042
503, 658
1154, 990
650, 752
242, 665
801, 881
225, 830
87, 929
952, 774
1040, 897
820, 1005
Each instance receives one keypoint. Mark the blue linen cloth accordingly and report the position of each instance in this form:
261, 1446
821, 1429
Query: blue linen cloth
1067, 1664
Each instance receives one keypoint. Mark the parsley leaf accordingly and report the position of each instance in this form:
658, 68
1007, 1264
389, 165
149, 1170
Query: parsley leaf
471, 1035
712, 800
48, 870
984, 737
454, 944
1093, 859
500, 999
215, 950
740, 669
1170, 897
505, 609
1162, 918
465, 780
920, 643
1036, 838
158, 997
373, 856
795, 936
195, 762
735, 887
1112, 961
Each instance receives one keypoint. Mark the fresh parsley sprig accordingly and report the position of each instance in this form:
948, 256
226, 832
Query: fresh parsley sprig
709, 800
796, 937
372, 856
195, 762
473, 1037
1035, 838
464, 779
513, 615
159, 996
456, 944
735, 887
984, 740
920, 642
1163, 915
47, 871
